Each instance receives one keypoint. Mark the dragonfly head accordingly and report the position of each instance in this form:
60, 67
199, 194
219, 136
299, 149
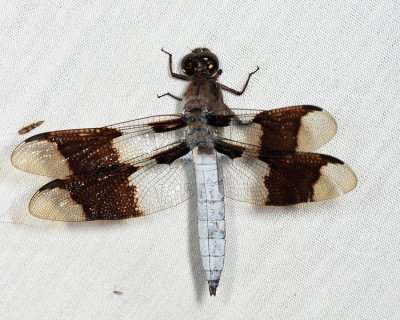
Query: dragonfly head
200, 60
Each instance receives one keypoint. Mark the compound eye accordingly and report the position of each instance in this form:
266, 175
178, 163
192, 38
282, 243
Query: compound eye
212, 62
188, 66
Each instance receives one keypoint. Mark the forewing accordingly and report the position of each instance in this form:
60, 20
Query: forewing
67, 152
281, 178
296, 128
126, 192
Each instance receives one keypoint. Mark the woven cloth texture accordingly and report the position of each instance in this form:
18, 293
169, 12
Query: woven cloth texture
81, 63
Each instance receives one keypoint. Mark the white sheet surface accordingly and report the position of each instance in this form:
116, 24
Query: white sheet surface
91, 63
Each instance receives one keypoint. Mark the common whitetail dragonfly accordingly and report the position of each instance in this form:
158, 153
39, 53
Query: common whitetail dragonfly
138, 167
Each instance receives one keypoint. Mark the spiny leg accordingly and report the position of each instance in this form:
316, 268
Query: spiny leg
239, 93
174, 74
170, 95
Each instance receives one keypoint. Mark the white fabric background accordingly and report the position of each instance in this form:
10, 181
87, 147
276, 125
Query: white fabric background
91, 63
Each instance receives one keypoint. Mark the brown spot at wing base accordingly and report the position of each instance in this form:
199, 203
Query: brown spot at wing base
171, 154
228, 149
220, 120
167, 125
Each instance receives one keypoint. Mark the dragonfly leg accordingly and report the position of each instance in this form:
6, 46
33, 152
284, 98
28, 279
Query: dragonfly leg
237, 92
174, 74
169, 94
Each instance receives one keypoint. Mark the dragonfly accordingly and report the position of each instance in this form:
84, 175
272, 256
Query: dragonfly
209, 151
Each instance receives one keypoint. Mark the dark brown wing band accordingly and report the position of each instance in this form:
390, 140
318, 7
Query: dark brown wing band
296, 128
124, 192
108, 196
291, 177
67, 152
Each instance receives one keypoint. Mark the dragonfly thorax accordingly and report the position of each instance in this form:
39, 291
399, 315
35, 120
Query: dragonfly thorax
198, 132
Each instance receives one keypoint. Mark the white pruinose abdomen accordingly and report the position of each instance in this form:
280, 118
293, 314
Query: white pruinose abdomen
210, 216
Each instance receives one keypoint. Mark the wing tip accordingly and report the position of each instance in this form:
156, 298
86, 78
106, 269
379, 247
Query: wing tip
14, 156
352, 180
335, 179
317, 128
37, 155
311, 107
54, 203
39, 136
